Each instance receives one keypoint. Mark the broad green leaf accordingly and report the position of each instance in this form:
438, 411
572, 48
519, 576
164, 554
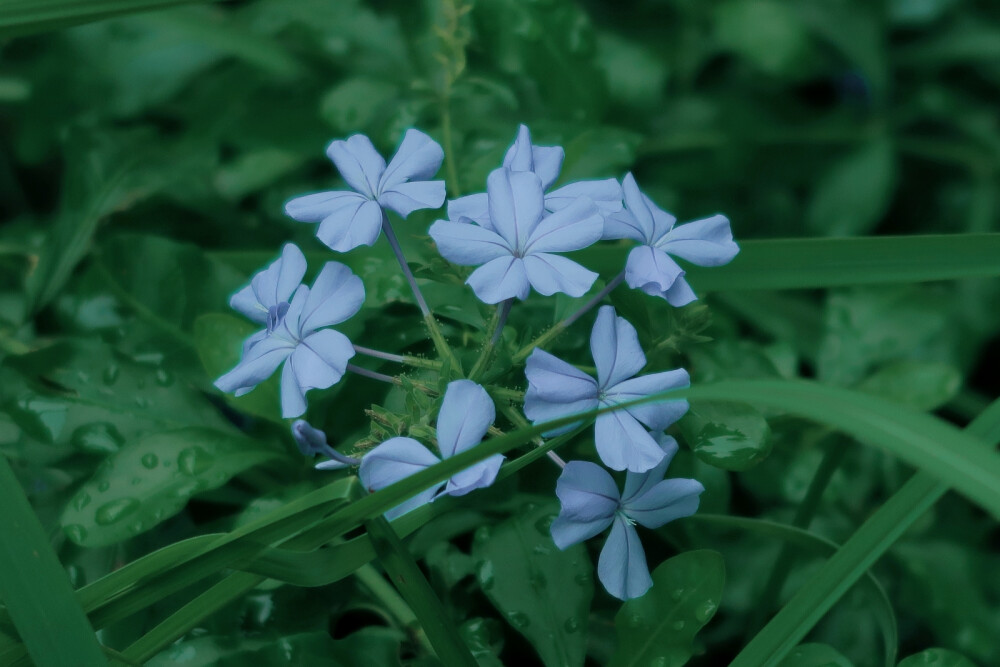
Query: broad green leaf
356, 104
767, 33
924, 385
25, 17
938, 657
659, 627
731, 436
218, 339
544, 593
35, 589
151, 480
855, 193
815, 655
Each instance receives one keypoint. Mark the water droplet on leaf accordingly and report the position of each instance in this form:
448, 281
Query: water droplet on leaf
103, 485
705, 611
81, 500
677, 594
572, 624
116, 510
518, 619
76, 532
678, 625
150, 460
97, 438
111, 373
194, 461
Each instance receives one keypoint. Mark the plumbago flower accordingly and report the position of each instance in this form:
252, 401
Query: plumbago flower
707, 242
590, 502
545, 162
557, 389
295, 333
467, 412
515, 248
312, 441
351, 219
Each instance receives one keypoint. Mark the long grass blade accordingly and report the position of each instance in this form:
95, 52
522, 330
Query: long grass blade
27, 17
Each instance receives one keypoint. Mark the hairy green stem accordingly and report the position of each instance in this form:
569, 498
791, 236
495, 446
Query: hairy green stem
486, 354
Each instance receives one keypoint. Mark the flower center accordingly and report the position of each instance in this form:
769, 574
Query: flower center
276, 315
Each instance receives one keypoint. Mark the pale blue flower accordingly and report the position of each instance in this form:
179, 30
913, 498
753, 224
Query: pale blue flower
351, 219
590, 502
312, 441
296, 318
545, 162
557, 389
467, 412
516, 249
707, 242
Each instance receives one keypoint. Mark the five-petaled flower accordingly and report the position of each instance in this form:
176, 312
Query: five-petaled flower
707, 242
467, 412
295, 318
351, 219
515, 244
545, 162
590, 502
557, 389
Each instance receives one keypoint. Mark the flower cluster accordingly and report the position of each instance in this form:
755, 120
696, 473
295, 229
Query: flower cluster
515, 234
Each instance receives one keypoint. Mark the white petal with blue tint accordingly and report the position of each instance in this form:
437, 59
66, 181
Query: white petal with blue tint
707, 242
657, 415
406, 198
395, 460
680, 293
336, 295
651, 270
474, 207
316, 207
417, 159
572, 228
622, 565
358, 163
666, 501
545, 161
321, 359
552, 379
550, 273
588, 501
637, 484
467, 243
516, 204
467, 412
500, 279
623, 444
259, 363
615, 347
355, 223
477, 476
271, 286
606, 195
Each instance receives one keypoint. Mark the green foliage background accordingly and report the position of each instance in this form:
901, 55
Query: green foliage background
145, 159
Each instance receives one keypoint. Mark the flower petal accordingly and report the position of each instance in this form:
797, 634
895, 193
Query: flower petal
552, 379
358, 163
394, 460
467, 412
519, 156
272, 285
641, 207
315, 207
357, 222
258, 364
516, 204
606, 195
477, 476
707, 242
293, 397
622, 565
623, 444
680, 293
418, 158
637, 484
335, 296
588, 500
670, 499
615, 347
499, 279
406, 198
475, 207
656, 415
467, 243
651, 270
623, 225
576, 226
549, 274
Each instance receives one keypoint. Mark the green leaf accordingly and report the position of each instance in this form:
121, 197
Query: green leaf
731, 436
938, 657
356, 104
659, 627
808, 263
35, 589
544, 593
855, 193
815, 655
218, 338
151, 480
767, 33
924, 385
25, 17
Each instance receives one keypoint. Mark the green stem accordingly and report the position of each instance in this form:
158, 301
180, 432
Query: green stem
393, 602
486, 354
449, 152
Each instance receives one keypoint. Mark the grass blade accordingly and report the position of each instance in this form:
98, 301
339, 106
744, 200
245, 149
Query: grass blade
26, 17
35, 589
855, 557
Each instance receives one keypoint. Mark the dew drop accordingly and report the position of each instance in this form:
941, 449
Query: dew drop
633, 621
660, 661
136, 481
705, 611
518, 619
537, 579
542, 525
678, 625
76, 532
116, 510
150, 460
583, 579
572, 624
81, 500
111, 373
541, 550
194, 461
483, 535
163, 377
486, 577
142, 402
97, 438
677, 594
103, 486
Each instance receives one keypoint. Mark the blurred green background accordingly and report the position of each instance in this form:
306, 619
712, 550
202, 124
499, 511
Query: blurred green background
145, 158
